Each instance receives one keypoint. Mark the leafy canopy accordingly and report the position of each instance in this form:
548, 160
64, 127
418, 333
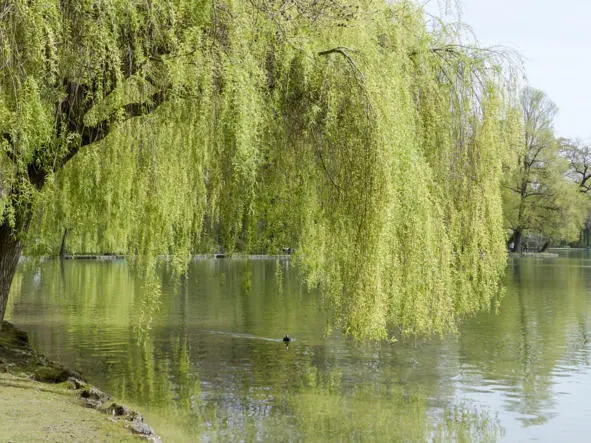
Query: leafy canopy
345, 129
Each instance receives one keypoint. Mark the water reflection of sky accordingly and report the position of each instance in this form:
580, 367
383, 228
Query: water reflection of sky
566, 417
537, 396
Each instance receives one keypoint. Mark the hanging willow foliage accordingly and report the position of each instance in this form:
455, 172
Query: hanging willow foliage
343, 128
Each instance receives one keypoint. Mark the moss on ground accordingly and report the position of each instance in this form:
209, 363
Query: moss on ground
36, 411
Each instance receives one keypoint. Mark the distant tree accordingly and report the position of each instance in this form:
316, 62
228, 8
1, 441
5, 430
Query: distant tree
539, 198
578, 154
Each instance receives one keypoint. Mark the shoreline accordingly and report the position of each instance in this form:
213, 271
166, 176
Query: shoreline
119, 257
532, 254
44, 400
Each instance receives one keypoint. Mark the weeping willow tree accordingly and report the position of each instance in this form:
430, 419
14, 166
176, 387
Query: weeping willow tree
345, 128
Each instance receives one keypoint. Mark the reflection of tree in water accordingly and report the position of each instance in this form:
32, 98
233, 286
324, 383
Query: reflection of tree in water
541, 325
153, 347
150, 298
161, 379
318, 395
467, 423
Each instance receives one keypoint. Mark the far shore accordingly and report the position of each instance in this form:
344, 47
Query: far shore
533, 254
196, 257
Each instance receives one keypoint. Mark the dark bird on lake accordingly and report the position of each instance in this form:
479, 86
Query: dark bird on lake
286, 339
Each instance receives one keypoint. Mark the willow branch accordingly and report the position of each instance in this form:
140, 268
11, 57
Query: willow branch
97, 132
10, 152
344, 51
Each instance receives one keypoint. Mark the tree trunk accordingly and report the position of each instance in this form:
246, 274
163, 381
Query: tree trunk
517, 241
63, 246
544, 247
10, 251
11, 246
511, 242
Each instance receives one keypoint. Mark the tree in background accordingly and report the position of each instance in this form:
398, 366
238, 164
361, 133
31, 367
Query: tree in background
578, 154
539, 198
345, 128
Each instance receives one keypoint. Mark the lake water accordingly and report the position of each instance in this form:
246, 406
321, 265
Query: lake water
204, 361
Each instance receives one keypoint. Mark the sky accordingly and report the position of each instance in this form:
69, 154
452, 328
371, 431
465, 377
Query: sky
554, 39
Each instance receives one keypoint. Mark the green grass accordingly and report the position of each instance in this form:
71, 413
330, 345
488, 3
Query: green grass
35, 411
37, 404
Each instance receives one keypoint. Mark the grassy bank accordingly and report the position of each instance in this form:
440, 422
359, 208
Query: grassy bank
42, 401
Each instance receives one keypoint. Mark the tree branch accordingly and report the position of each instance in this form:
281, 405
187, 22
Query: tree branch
511, 188
93, 134
343, 51
330, 178
10, 153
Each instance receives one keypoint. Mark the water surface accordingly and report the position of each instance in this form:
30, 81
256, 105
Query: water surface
204, 359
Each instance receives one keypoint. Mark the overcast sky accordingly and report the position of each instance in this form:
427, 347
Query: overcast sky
554, 38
